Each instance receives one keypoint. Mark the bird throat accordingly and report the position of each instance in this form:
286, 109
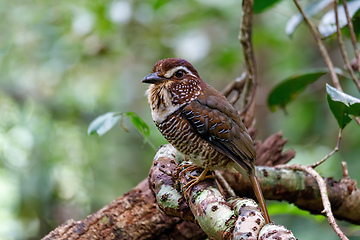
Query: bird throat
167, 98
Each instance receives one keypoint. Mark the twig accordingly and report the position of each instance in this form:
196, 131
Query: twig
323, 192
342, 48
236, 86
314, 165
357, 120
352, 33
246, 42
224, 184
321, 46
345, 170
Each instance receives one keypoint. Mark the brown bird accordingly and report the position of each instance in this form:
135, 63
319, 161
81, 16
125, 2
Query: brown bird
200, 122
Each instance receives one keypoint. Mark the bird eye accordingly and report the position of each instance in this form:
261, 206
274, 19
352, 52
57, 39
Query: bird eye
179, 73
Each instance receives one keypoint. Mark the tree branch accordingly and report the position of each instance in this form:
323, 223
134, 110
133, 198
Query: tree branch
248, 51
135, 215
219, 217
301, 189
323, 192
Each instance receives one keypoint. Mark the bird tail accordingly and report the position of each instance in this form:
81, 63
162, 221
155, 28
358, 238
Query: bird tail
250, 175
257, 190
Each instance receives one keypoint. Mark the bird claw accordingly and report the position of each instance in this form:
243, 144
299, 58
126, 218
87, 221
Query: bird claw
195, 179
187, 168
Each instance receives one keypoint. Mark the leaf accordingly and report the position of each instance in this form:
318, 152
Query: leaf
103, 123
342, 105
262, 5
290, 87
339, 111
310, 10
327, 25
139, 124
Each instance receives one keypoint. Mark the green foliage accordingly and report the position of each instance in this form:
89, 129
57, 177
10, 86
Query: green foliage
139, 124
289, 88
342, 105
263, 5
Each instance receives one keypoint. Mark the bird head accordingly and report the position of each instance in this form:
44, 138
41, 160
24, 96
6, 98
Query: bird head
171, 69
173, 82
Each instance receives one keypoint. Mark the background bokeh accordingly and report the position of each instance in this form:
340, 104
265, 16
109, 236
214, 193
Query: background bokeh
63, 63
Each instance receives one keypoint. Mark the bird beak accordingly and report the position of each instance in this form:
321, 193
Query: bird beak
153, 78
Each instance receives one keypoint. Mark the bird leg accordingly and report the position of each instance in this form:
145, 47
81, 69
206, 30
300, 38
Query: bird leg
195, 179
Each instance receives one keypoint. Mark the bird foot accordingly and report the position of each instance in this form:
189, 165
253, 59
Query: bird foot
195, 179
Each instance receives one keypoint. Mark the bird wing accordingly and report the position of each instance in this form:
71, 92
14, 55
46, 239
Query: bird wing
217, 122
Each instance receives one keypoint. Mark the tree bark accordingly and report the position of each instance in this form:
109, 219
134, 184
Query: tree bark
135, 215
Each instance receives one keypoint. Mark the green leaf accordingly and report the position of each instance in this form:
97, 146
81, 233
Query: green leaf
290, 87
342, 105
103, 123
139, 124
327, 25
310, 10
262, 5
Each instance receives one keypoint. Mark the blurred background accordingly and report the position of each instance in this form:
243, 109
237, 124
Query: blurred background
63, 63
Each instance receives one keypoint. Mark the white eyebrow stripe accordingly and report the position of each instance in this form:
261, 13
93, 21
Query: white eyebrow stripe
169, 73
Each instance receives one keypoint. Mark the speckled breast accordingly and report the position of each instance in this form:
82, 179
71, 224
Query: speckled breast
180, 134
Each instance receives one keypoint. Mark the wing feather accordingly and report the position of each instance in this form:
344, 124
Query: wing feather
217, 122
